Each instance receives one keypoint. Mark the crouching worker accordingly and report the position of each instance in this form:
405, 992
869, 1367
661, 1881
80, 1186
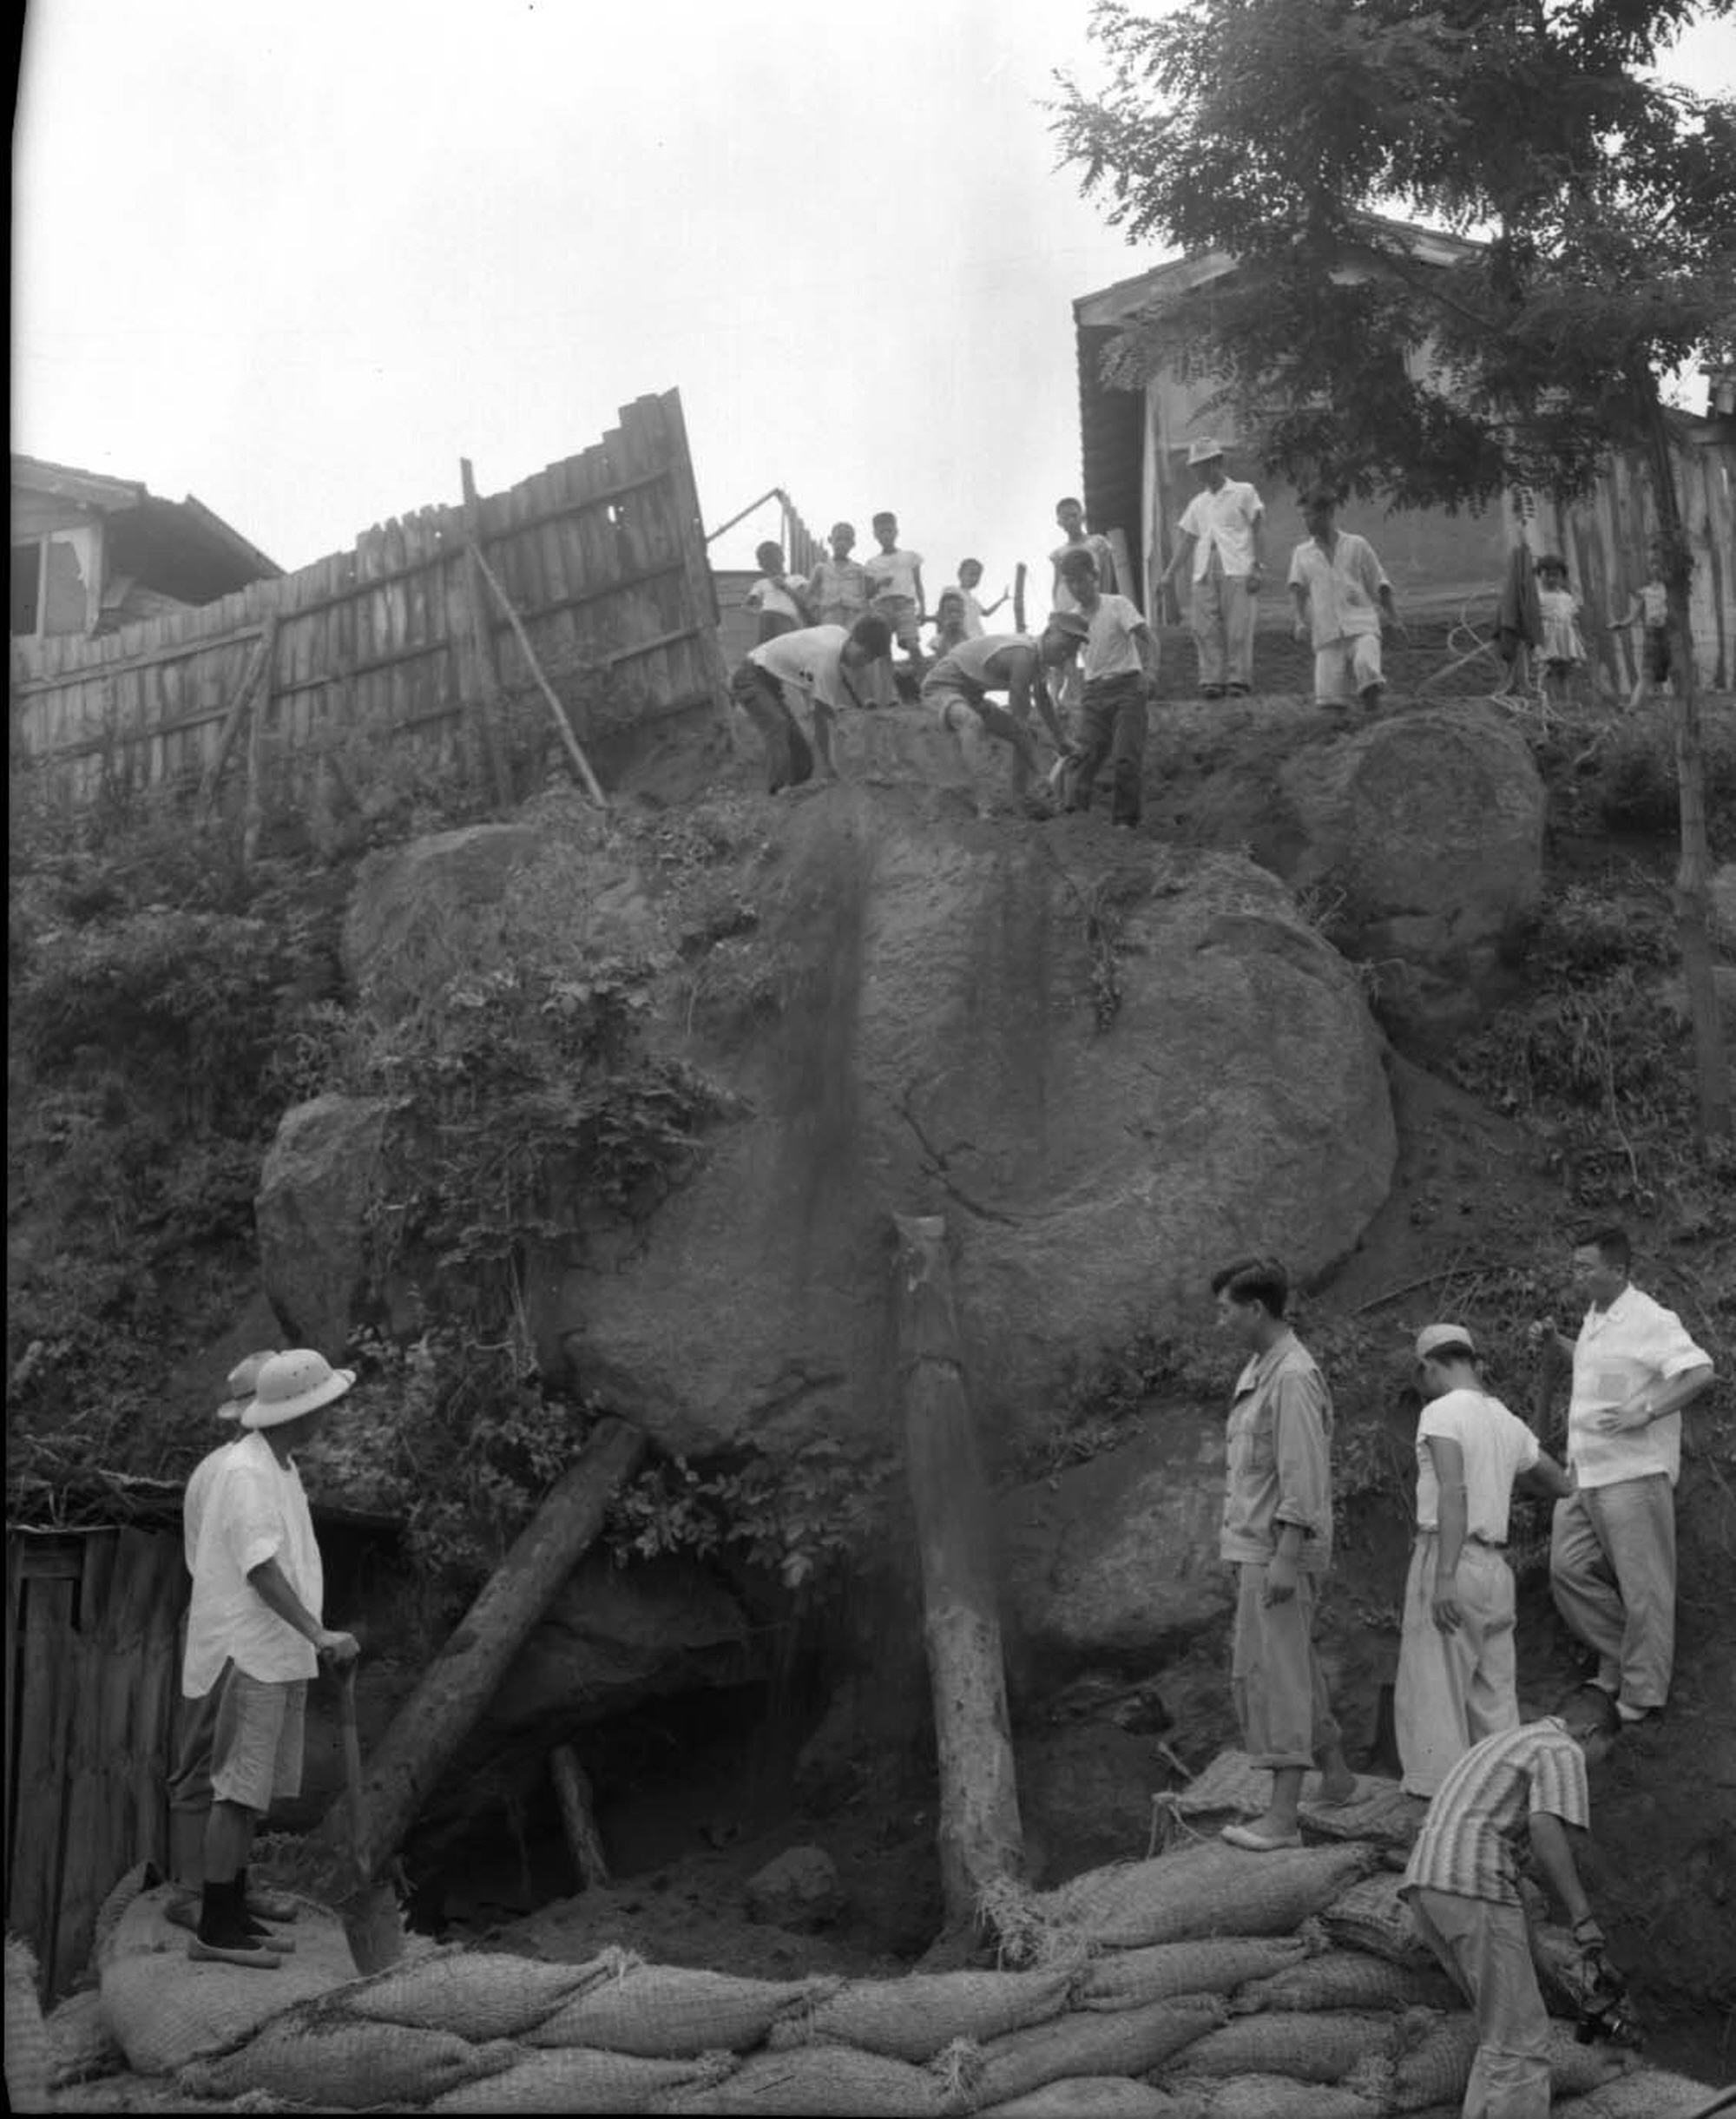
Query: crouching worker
958, 686
826, 665
1462, 1885
254, 1636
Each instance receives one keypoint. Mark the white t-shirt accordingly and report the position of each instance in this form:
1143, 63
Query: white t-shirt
809, 660
1109, 649
254, 1510
1101, 551
970, 659
973, 627
1344, 589
894, 574
1496, 1445
1636, 1341
765, 595
1224, 520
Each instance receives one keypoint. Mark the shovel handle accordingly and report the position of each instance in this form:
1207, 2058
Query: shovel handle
352, 1759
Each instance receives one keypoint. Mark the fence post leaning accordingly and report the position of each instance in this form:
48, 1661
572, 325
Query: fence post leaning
253, 812
487, 673
232, 721
588, 780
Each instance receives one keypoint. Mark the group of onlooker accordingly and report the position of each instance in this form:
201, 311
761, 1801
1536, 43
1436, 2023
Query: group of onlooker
1487, 1777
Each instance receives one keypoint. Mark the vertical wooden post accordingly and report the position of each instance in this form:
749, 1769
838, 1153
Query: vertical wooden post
981, 1837
578, 1818
253, 812
485, 693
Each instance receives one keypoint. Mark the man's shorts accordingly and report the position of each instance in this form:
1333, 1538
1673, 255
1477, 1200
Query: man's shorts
900, 614
1344, 667
952, 697
256, 1749
189, 1782
1657, 652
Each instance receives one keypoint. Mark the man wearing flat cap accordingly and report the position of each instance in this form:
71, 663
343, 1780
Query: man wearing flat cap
1458, 1679
255, 1635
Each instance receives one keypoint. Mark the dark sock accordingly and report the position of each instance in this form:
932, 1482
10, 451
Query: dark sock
217, 1923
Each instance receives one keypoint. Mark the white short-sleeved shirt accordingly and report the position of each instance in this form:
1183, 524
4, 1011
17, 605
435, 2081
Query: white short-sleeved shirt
810, 661
1344, 586
1496, 1446
894, 574
970, 659
1223, 521
973, 627
1109, 649
200, 1482
765, 595
1620, 1350
254, 1509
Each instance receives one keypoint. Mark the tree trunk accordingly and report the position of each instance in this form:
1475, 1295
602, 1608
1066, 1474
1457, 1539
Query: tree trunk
980, 1835
1693, 867
578, 1817
461, 1680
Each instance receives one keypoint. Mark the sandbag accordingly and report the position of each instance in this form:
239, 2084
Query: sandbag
474, 1994
1436, 2068
1085, 2042
1129, 1979
1091, 2097
576, 2079
913, 2018
665, 2012
1647, 2093
81, 2043
1371, 1916
1202, 1891
1277, 2096
165, 2009
1306, 2045
336, 2061
27, 2038
1233, 1786
1576, 2069
1347, 1979
820, 2081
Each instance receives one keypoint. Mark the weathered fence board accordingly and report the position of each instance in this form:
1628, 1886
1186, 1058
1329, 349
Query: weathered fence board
92, 1669
602, 556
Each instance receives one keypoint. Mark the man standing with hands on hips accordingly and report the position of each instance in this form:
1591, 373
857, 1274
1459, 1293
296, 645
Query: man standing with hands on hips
1613, 1553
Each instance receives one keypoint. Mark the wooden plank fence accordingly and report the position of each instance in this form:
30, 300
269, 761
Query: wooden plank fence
92, 1680
1604, 539
603, 557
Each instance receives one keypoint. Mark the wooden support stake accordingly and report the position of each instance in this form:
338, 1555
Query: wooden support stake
981, 1837
458, 1684
588, 780
482, 640
253, 812
232, 720
578, 1818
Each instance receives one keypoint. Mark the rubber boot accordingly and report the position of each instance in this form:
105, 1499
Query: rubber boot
223, 1937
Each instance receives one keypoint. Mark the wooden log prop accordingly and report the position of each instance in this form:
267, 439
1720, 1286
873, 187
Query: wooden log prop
458, 1684
1019, 597
238, 709
981, 1839
581, 764
578, 1818
486, 699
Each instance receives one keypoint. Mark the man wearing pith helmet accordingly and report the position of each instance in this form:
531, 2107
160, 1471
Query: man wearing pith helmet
254, 1631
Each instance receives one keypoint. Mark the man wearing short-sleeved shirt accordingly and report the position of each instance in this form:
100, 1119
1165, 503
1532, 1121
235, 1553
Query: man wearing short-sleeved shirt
1218, 543
1462, 1885
1458, 1679
1277, 1535
826, 665
1612, 1551
1118, 656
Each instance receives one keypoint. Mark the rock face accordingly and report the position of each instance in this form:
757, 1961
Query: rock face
799, 1890
311, 1212
1113, 1563
1423, 835
1108, 1064
416, 907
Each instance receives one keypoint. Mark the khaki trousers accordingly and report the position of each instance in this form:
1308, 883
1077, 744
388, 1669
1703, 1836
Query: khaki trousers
1282, 1705
1613, 1575
1455, 1688
1222, 619
1485, 1948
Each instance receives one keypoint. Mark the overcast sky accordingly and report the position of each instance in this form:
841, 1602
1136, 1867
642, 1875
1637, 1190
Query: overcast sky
298, 258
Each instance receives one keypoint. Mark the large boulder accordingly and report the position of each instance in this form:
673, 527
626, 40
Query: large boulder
1107, 1063
311, 1215
1422, 839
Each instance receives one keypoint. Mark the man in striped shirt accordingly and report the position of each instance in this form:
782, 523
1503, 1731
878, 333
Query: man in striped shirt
1462, 1885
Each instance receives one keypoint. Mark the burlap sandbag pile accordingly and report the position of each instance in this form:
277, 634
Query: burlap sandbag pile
1203, 1982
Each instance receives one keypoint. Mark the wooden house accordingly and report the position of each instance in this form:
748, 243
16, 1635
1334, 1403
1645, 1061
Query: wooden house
1135, 448
91, 554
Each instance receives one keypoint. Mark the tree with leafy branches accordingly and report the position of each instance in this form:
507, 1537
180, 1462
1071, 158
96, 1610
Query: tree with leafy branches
1283, 132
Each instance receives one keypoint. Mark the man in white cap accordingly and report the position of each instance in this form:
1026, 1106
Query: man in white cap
1458, 1679
1219, 541
254, 1630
